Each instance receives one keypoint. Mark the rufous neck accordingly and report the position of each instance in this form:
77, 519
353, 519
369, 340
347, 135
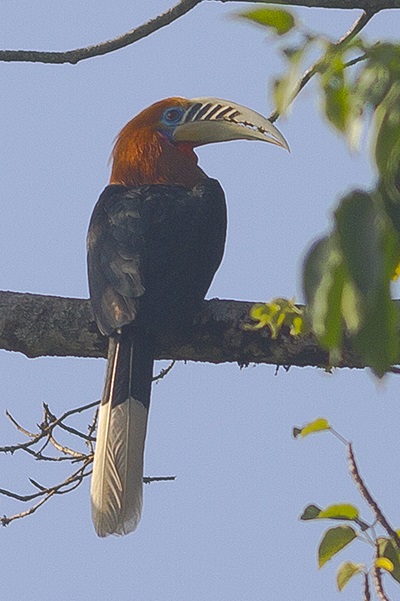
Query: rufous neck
148, 157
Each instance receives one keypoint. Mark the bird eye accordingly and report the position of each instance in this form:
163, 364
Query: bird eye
172, 115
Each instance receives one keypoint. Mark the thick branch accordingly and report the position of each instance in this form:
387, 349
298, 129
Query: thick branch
79, 54
367, 5
47, 325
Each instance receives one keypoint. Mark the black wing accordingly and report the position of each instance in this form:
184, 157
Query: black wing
153, 252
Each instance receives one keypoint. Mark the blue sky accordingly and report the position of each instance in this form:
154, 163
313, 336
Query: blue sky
227, 528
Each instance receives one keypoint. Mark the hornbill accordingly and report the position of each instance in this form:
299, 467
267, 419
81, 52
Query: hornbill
156, 238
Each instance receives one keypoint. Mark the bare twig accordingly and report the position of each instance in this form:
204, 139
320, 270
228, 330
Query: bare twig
369, 498
366, 591
164, 372
66, 450
91, 430
18, 426
69, 484
75, 56
377, 575
60, 421
50, 421
354, 30
149, 480
45, 436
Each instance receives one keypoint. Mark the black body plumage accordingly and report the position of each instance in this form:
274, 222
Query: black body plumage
153, 251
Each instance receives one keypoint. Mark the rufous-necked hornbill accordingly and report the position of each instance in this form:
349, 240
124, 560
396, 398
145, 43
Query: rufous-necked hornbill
155, 241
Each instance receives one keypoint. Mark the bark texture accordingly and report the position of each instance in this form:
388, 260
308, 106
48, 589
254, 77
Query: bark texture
37, 325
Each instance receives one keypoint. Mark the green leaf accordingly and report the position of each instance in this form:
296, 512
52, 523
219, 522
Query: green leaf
372, 84
323, 282
341, 511
337, 93
377, 341
318, 425
346, 571
357, 222
383, 563
366, 93
386, 55
279, 20
311, 512
277, 313
389, 193
387, 152
369, 249
387, 127
286, 87
347, 281
387, 549
333, 541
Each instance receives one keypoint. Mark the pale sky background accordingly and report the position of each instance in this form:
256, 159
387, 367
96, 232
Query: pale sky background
228, 528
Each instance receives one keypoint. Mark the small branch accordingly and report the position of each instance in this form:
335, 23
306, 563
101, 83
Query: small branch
366, 591
76, 432
377, 575
355, 29
91, 429
70, 483
164, 372
77, 410
46, 435
50, 422
66, 450
369, 498
75, 56
355, 61
150, 479
7, 520
18, 426
357, 26
24, 498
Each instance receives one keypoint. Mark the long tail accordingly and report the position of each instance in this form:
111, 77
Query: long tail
117, 479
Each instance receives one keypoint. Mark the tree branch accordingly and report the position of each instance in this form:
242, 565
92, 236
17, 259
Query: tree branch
75, 56
38, 325
367, 5
184, 6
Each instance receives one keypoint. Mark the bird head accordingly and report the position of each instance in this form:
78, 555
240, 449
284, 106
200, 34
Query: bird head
157, 145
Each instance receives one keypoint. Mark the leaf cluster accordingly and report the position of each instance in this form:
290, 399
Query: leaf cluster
348, 273
386, 548
275, 315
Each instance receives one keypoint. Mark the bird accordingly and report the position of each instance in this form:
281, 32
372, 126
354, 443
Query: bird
155, 240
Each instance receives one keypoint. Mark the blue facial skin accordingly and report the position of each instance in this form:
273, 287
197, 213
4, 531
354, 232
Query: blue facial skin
170, 118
